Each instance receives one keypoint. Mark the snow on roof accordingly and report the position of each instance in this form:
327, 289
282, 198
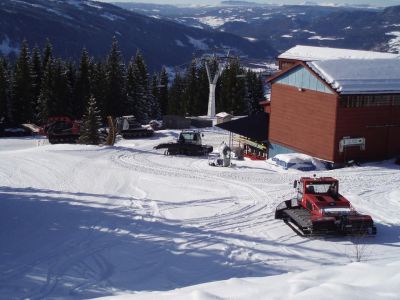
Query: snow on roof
223, 115
355, 76
309, 53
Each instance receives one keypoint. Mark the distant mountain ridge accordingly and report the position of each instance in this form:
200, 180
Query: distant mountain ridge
73, 24
284, 26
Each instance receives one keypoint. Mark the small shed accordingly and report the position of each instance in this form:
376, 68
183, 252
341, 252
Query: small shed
223, 117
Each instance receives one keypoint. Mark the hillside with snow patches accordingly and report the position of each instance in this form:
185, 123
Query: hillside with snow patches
76, 24
284, 26
127, 222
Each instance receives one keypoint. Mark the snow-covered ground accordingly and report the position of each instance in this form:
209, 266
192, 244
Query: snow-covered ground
80, 222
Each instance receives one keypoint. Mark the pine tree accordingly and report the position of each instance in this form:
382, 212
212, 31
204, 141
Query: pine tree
47, 54
22, 107
190, 97
115, 74
45, 106
70, 75
175, 96
232, 89
82, 87
254, 93
163, 91
99, 86
4, 90
142, 91
37, 73
91, 124
138, 101
61, 89
155, 95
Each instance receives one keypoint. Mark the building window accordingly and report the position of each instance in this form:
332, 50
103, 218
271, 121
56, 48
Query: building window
350, 101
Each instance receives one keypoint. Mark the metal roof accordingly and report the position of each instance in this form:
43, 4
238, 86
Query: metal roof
254, 127
310, 53
358, 76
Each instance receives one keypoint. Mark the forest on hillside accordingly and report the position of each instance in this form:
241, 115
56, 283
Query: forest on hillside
38, 85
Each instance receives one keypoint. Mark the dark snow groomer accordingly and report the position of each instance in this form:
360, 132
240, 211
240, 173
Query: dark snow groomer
188, 143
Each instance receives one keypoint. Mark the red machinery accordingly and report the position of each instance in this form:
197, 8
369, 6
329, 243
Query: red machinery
320, 209
62, 129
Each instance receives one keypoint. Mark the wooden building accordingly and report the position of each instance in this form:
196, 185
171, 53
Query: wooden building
336, 110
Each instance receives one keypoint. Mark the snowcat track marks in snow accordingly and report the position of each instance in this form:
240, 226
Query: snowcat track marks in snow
319, 210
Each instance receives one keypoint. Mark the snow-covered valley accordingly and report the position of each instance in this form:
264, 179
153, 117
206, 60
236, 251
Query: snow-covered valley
80, 222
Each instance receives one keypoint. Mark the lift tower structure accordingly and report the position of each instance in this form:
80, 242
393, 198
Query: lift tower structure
212, 80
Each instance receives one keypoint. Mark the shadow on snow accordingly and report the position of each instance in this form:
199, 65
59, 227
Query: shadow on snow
53, 248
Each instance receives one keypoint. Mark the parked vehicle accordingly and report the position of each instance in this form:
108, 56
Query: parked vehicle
319, 209
130, 128
62, 129
188, 143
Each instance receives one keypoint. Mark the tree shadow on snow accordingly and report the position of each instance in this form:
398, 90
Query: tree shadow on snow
51, 247
55, 246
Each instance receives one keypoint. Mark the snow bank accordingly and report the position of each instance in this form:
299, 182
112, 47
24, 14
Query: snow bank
353, 281
297, 161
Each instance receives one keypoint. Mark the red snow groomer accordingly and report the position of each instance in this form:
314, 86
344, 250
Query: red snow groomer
62, 129
319, 209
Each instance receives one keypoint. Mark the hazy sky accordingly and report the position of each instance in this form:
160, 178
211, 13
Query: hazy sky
370, 2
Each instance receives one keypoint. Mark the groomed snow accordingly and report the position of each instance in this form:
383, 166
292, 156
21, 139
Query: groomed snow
310, 53
360, 76
353, 281
79, 222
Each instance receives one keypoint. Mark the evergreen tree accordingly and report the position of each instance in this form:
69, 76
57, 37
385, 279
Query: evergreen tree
70, 75
99, 86
254, 93
142, 91
22, 104
163, 91
45, 106
36, 66
61, 89
82, 86
91, 124
4, 90
138, 100
190, 97
47, 54
155, 101
115, 74
175, 96
232, 89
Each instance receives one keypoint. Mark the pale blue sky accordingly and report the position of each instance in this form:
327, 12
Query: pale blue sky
370, 2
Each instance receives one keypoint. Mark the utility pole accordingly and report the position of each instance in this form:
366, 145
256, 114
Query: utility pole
212, 80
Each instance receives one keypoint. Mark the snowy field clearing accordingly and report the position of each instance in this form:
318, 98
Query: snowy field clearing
80, 222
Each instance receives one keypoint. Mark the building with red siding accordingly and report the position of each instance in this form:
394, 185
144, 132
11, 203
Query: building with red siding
337, 109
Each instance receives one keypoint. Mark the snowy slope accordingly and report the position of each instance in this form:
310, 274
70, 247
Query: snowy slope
80, 222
